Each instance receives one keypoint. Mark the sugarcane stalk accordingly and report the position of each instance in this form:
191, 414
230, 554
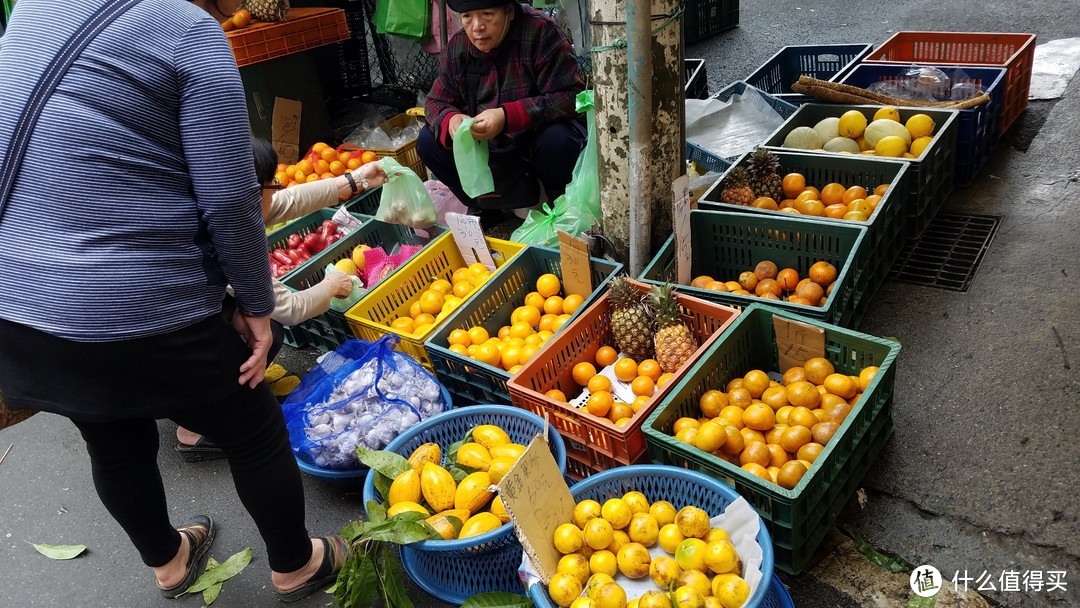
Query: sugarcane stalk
843, 93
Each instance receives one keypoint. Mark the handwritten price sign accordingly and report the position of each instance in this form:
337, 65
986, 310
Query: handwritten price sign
680, 220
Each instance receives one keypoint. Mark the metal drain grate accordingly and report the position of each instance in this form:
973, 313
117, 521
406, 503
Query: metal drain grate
948, 253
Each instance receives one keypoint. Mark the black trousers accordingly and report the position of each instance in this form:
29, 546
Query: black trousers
550, 152
115, 391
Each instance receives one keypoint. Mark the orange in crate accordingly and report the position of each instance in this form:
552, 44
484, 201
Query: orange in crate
595, 444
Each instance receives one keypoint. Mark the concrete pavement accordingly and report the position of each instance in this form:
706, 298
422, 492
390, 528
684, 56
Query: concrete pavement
979, 475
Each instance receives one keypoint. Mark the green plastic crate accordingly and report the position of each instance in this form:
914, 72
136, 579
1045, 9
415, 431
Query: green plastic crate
724, 244
885, 234
798, 518
931, 177
473, 381
329, 330
303, 226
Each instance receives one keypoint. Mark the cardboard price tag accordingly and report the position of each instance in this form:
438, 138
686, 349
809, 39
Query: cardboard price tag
796, 342
680, 221
537, 499
470, 239
285, 129
576, 273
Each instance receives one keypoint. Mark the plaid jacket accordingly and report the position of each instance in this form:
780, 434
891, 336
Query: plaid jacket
532, 75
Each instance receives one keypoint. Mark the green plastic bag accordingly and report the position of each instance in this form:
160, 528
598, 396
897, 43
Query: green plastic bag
409, 19
578, 209
471, 159
404, 199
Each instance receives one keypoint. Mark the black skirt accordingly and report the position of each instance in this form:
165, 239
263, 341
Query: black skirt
103, 381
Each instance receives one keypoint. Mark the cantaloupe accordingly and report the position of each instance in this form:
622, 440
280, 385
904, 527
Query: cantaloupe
828, 128
842, 144
805, 138
884, 128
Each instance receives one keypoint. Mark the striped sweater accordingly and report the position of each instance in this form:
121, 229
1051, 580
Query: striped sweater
137, 201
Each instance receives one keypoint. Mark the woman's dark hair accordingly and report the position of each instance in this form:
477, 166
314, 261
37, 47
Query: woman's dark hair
266, 160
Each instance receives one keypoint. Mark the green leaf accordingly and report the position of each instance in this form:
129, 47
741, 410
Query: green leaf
408, 516
222, 572
387, 463
458, 473
393, 581
376, 512
890, 561
401, 531
921, 602
353, 530
498, 599
60, 551
356, 583
382, 484
211, 594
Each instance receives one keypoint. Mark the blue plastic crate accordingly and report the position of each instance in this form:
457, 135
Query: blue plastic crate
720, 164
455, 570
681, 488
821, 61
977, 129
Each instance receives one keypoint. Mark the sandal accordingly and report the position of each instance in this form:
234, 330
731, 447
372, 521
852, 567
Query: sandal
335, 550
200, 531
202, 450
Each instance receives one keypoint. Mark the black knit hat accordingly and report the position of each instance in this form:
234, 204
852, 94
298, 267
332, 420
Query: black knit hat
464, 6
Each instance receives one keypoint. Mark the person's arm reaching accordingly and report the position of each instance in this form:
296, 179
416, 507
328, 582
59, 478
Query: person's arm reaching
297, 306
297, 201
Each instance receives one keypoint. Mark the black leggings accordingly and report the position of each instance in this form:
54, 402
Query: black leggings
115, 391
251, 431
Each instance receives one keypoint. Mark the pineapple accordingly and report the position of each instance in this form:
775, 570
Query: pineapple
736, 192
764, 177
673, 341
631, 321
267, 10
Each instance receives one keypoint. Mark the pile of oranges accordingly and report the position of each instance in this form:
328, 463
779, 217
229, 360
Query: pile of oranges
531, 325
833, 200
775, 430
642, 380
768, 282
322, 162
440, 298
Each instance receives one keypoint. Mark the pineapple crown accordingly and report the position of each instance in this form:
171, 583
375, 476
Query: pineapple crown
736, 178
662, 299
622, 294
763, 162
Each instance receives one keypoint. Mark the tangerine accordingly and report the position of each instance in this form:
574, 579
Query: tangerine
548, 285
817, 369
626, 369
572, 303
650, 368
852, 193
712, 402
833, 194
788, 279
368, 157
583, 372
599, 404
605, 356
756, 381
643, 386
793, 184
599, 383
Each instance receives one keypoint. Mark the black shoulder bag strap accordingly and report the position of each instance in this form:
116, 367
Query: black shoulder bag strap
54, 73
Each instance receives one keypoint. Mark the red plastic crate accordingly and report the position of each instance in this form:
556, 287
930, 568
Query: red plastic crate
594, 443
303, 29
1014, 52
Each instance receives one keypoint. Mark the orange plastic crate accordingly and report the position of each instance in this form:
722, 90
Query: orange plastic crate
303, 29
1014, 52
593, 443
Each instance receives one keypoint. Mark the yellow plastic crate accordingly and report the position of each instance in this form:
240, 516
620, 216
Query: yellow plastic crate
370, 318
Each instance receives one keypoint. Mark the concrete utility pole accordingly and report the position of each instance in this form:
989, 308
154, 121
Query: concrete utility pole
639, 132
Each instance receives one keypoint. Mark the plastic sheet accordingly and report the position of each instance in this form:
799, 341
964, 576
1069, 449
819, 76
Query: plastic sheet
733, 127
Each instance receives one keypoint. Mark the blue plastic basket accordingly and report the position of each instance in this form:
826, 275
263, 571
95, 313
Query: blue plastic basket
720, 164
681, 488
977, 129
821, 61
455, 570
348, 477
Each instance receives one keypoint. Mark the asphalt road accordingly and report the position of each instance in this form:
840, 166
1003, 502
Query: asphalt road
979, 475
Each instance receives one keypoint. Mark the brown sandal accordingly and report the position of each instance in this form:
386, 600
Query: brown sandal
200, 531
335, 550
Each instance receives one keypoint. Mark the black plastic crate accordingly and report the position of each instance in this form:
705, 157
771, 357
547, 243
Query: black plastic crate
703, 18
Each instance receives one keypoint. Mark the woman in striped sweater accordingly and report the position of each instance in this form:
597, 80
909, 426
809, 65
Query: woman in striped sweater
108, 289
